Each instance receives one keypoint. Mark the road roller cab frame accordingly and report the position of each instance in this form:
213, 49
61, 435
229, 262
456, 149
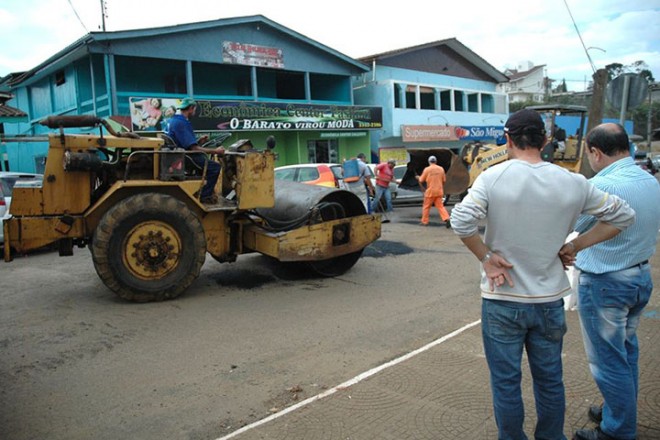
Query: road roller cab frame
135, 202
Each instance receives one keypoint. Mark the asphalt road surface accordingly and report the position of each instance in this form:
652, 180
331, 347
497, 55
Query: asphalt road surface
246, 340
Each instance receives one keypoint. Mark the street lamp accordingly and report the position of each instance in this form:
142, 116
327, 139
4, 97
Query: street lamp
593, 66
438, 116
586, 50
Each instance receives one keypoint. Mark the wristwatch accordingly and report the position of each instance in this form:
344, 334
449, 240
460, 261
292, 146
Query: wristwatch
486, 257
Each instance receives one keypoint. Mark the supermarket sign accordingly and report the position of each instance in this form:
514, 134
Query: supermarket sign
435, 133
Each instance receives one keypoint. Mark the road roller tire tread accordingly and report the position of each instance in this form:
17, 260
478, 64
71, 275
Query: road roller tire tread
110, 247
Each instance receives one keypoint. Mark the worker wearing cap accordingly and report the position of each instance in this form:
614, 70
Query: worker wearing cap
181, 131
529, 207
434, 177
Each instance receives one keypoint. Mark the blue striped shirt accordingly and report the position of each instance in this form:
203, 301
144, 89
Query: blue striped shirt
636, 243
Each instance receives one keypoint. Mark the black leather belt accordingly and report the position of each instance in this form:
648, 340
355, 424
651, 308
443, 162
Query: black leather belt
638, 264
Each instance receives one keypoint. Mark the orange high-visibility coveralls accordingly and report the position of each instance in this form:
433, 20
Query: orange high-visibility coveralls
434, 177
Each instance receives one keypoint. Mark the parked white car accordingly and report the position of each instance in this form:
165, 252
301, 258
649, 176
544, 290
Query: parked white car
8, 180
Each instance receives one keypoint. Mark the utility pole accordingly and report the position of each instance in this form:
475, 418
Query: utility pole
103, 15
595, 116
648, 118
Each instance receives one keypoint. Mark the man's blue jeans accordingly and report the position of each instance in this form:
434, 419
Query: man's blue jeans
212, 173
380, 190
610, 306
507, 328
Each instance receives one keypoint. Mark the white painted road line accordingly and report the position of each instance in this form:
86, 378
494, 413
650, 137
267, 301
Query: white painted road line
351, 382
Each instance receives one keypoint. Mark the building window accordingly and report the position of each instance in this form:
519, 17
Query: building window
329, 87
60, 78
427, 98
411, 97
397, 95
280, 84
150, 75
174, 84
487, 103
221, 80
473, 102
445, 100
458, 100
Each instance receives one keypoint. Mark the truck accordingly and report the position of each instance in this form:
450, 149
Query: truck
134, 202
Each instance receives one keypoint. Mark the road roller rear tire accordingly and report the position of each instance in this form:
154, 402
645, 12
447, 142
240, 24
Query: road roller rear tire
334, 266
149, 247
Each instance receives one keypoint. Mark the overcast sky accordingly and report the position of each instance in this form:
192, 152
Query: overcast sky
505, 33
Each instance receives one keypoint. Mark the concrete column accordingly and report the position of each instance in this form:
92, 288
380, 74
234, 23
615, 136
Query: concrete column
189, 79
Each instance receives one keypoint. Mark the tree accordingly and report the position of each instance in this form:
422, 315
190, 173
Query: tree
570, 99
561, 87
614, 70
638, 67
640, 114
519, 105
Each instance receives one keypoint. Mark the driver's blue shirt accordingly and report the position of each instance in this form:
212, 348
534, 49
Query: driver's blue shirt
181, 130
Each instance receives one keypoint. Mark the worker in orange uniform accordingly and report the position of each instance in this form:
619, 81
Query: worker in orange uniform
434, 176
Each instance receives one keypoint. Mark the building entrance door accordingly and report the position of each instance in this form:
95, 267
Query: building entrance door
323, 151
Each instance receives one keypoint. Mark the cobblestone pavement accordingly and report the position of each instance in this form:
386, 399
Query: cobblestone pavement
443, 393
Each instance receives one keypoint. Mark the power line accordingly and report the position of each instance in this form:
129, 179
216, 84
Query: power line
78, 16
593, 67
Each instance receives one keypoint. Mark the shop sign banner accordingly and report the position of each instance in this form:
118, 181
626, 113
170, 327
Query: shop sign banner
281, 116
151, 114
435, 133
476, 133
343, 134
252, 55
428, 133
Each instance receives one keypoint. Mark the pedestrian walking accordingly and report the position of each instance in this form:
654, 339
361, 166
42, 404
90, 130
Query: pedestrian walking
529, 206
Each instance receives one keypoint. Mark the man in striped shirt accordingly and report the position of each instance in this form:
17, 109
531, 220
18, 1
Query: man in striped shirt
615, 284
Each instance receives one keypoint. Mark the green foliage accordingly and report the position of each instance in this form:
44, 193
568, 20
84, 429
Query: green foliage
519, 105
577, 99
640, 114
561, 88
639, 67
614, 70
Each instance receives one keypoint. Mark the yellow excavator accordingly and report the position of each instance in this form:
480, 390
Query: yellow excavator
476, 157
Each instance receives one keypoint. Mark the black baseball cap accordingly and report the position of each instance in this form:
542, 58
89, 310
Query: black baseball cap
524, 121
